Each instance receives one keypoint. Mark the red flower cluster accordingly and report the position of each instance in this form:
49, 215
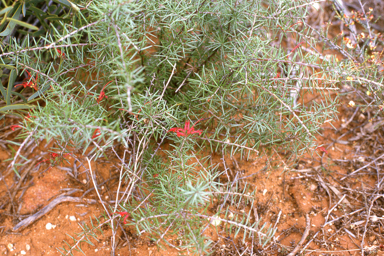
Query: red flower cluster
53, 158
32, 83
102, 93
60, 53
96, 133
323, 149
28, 117
13, 127
187, 130
122, 214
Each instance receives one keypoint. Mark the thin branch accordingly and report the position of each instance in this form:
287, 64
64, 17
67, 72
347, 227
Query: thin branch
365, 166
45, 48
19, 150
289, 108
306, 232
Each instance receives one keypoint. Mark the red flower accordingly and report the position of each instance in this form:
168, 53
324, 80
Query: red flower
60, 53
42, 161
155, 175
28, 117
32, 83
186, 131
102, 93
54, 155
297, 46
13, 127
322, 149
122, 214
96, 133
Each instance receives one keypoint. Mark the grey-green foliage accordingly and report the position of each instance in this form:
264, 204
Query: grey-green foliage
216, 60
170, 62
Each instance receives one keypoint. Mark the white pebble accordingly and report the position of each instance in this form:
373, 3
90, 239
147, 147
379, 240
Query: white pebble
28, 247
264, 192
72, 218
10, 247
49, 226
215, 221
23, 253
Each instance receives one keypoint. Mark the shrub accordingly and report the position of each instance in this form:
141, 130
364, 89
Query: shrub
194, 77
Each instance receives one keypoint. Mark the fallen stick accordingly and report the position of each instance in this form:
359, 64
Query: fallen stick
61, 199
306, 232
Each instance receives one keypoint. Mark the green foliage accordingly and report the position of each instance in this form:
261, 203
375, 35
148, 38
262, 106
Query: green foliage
10, 102
162, 64
36, 11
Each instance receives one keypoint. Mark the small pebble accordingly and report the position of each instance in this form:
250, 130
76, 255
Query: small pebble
72, 218
264, 192
49, 226
23, 253
313, 187
28, 247
10, 247
215, 221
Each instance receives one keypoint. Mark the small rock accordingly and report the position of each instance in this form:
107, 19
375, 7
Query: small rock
72, 218
215, 221
10, 247
264, 192
361, 117
313, 187
28, 247
374, 218
49, 226
84, 181
23, 253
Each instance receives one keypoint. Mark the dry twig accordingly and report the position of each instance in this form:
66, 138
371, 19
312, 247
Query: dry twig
306, 232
